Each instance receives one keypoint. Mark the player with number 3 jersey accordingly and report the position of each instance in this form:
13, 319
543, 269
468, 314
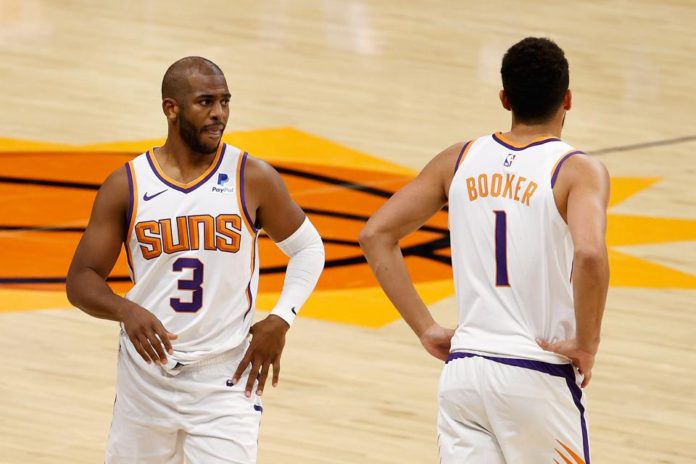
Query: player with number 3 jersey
199, 236
189, 213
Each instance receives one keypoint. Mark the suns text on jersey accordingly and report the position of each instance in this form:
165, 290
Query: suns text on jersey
221, 233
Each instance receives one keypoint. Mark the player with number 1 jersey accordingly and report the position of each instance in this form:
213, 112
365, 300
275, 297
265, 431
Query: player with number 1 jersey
517, 284
527, 220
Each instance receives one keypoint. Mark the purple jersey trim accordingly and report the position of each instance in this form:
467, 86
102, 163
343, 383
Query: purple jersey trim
514, 148
150, 154
250, 296
241, 193
129, 216
560, 163
131, 198
459, 158
565, 371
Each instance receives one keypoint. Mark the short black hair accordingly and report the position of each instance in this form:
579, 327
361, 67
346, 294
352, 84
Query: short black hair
175, 80
535, 79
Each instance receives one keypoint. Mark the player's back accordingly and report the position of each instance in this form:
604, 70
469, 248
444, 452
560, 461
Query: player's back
511, 250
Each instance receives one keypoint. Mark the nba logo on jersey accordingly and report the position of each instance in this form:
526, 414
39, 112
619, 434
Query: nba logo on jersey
221, 181
508, 160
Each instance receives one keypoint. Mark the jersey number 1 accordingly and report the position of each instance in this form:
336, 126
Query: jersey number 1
501, 271
193, 284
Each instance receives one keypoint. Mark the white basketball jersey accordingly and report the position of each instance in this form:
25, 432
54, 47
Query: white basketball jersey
512, 252
192, 252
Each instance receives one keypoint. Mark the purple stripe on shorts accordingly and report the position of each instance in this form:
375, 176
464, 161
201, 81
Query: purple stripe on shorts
577, 399
565, 371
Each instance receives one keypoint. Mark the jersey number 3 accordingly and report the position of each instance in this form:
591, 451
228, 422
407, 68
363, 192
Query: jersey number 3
193, 284
501, 271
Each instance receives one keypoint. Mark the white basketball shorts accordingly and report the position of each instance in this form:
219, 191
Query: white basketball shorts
495, 410
162, 417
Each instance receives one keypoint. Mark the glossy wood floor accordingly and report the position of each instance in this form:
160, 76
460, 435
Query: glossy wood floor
398, 80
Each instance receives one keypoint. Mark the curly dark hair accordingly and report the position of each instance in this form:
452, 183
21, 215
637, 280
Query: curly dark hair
535, 79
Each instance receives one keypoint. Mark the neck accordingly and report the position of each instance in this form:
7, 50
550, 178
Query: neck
179, 152
524, 131
179, 161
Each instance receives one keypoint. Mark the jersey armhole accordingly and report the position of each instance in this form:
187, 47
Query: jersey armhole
241, 199
131, 214
462, 155
559, 164
554, 177
132, 210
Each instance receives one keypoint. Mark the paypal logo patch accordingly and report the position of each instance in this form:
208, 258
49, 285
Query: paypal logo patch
221, 181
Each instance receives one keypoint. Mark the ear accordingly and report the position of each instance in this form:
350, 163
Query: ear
504, 100
170, 108
568, 100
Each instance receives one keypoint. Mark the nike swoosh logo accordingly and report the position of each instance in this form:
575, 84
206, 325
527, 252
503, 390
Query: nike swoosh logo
148, 198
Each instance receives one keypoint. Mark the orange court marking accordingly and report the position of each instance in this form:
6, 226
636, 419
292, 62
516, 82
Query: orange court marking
47, 190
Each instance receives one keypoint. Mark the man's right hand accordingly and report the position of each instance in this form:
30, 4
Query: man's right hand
437, 340
146, 332
583, 360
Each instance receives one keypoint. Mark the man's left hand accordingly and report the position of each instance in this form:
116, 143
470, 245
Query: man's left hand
267, 342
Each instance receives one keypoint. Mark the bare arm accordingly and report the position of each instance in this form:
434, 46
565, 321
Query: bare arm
404, 213
582, 195
94, 259
587, 219
276, 212
98, 251
272, 209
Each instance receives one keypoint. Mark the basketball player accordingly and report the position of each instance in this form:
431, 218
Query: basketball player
189, 213
527, 219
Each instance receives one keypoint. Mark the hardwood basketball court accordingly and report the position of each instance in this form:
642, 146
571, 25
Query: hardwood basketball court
348, 99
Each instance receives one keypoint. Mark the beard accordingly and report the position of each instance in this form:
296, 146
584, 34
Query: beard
190, 135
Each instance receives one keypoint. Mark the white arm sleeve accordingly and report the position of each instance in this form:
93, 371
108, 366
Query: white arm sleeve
306, 252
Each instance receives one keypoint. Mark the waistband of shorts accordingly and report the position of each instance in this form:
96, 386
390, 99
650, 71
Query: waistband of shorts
174, 367
556, 370
215, 359
218, 358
